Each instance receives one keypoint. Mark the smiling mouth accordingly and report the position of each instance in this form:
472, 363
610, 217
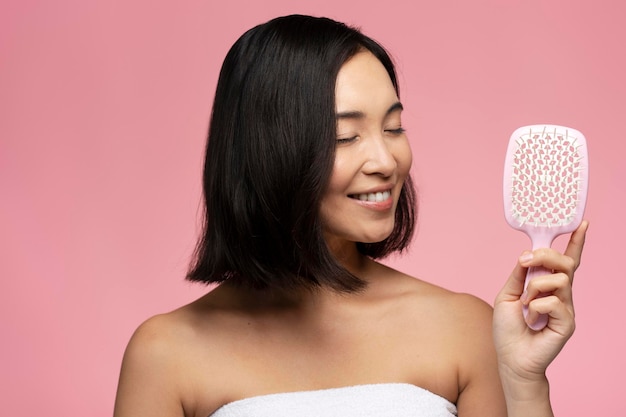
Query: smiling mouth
372, 197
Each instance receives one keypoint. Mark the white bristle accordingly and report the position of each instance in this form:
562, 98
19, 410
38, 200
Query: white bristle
546, 179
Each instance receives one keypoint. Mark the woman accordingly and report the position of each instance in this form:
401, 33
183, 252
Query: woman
306, 183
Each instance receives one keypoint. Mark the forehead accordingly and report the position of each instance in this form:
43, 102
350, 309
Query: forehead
363, 82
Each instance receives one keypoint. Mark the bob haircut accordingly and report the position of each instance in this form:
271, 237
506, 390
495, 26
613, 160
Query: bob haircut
269, 157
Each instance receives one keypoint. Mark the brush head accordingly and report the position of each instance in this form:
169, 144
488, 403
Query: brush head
545, 179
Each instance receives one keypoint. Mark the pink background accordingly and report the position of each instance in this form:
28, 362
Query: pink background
103, 113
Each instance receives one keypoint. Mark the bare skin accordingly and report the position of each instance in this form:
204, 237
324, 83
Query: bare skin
235, 343
232, 344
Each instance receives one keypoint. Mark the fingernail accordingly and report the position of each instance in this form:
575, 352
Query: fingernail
524, 297
526, 257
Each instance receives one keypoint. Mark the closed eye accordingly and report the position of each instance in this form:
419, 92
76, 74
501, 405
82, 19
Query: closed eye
397, 131
346, 140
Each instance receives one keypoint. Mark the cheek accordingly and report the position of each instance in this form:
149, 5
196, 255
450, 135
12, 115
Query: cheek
337, 185
342, 173
404, 158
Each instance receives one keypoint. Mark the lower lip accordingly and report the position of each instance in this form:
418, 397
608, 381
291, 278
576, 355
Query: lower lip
375, 205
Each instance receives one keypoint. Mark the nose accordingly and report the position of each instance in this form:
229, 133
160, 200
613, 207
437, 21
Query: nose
380, 158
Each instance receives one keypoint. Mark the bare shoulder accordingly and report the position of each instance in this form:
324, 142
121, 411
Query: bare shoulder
157, 338
457, 323
160, 370
469, 323
420, 295
166, 336
150, 380
459, 326
466, 309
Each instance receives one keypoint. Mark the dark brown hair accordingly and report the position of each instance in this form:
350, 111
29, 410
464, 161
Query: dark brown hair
269, 157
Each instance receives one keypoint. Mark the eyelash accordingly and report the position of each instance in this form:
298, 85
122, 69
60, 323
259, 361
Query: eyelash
397, 131
346, 140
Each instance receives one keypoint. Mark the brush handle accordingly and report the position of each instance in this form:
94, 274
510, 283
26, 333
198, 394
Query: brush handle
535, 271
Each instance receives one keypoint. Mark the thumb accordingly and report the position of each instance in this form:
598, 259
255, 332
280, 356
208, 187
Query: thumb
514, 286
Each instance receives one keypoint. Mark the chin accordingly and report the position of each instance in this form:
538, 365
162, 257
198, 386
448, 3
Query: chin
376, 238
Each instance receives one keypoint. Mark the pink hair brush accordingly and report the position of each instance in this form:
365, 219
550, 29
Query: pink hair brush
545, 187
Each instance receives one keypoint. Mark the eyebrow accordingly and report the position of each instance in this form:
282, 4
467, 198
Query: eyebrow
360, 115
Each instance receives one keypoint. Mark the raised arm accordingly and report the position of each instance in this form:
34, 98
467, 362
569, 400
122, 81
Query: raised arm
524, 354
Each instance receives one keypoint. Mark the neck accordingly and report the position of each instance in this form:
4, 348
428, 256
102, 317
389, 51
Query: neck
346, 254
349, 257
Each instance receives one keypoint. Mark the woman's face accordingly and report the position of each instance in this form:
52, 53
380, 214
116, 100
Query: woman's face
373, 156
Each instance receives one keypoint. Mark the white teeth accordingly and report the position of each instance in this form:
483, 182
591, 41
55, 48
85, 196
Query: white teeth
375, 197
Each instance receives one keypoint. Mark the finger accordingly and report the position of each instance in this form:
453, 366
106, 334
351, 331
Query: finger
562, 316
556, 284
551, 260
577, 242
514, 286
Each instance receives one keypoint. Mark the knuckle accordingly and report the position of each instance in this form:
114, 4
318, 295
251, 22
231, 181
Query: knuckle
570, 265
543, 253
562, 279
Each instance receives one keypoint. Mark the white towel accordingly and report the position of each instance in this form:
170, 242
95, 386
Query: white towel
379, 400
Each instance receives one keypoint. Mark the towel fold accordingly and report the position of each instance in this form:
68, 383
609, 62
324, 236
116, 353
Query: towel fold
380, 400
